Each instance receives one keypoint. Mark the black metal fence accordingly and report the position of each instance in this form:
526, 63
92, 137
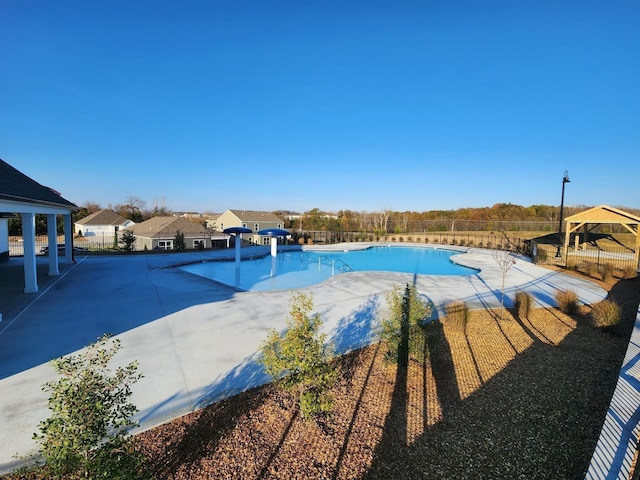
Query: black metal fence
463, 239
586, 258
542, 250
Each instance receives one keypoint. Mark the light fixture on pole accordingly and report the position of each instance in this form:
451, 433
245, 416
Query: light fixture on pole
565, 179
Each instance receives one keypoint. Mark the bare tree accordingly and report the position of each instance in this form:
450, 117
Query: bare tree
91, 206
505, 260
132, 209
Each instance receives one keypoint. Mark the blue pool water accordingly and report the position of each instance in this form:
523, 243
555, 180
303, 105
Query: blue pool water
296, 269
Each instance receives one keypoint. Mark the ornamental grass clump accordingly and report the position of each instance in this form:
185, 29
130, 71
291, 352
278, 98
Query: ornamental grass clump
607, 271
567, 301
629, 272
605, 314
457, 314
523, 304
299, 359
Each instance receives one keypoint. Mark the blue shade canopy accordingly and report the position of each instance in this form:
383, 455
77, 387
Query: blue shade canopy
237, 230
273, 232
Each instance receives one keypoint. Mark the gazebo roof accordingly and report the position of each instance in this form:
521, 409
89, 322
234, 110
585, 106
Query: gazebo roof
604, 214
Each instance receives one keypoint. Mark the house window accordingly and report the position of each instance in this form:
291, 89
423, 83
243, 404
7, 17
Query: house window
266, 241
165, 244
198, 244
221, 226
256, 227
244, 225
279, 225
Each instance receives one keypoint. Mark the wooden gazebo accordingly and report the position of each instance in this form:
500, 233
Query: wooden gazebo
603, 214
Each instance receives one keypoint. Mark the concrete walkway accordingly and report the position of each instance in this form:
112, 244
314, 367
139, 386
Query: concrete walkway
197, 341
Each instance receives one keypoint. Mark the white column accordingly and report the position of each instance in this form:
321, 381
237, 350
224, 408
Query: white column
274, 246
52, 235
29, 245
68, 239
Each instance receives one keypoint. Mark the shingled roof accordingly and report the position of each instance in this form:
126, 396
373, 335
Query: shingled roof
166, 227
103, 217
16, 186
250, 216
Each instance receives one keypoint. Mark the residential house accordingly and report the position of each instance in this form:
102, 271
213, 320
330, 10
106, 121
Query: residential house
159, 233
255, 220
21, 195
102, 225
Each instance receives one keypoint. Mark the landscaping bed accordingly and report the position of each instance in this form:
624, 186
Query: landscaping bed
502, 398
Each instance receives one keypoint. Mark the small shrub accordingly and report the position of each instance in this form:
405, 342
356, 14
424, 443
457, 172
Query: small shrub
457, 314
402, 332
128, 241
523, 304
541, 255
607, 272
86, 434
605, 314
299, 358
567, 302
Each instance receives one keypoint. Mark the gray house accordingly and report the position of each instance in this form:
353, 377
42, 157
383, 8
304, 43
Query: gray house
253, 219
159, 233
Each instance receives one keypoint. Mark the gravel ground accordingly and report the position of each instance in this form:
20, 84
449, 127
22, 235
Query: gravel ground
503, 398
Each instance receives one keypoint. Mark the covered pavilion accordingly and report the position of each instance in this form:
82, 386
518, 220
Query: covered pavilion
23, 196
603, 214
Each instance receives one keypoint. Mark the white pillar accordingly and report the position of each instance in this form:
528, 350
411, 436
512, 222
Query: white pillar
29, 245
68, 239
238, 257
274, 246
52, 234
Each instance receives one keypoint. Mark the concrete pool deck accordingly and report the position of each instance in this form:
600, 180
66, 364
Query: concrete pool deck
197, 341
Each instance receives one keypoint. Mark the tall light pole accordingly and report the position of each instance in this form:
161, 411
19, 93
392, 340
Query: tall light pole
565, 179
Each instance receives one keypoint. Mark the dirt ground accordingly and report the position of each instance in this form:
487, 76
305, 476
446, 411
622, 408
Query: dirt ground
502, 398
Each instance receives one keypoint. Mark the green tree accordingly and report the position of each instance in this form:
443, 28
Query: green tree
300, 359
178, 241
127, 241
402, 331
86, 435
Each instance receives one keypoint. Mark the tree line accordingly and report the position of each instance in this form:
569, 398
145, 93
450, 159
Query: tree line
501, 216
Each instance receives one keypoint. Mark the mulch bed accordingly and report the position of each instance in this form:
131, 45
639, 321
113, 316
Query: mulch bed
503, 398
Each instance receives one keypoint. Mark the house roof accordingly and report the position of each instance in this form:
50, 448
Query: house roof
256, 216
16, 186
166, 227
103, 217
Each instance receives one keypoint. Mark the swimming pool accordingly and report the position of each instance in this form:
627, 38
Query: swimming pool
296, 269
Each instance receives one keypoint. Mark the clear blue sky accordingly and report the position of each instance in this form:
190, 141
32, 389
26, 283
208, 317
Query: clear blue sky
266, 105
